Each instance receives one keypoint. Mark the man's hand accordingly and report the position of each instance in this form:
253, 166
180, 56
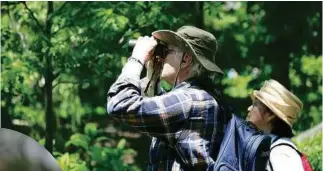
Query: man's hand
144, 49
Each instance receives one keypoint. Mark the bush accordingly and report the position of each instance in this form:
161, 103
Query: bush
89, 151
313, 149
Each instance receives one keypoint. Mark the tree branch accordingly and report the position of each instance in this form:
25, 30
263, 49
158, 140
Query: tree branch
59, 9
70, 82
59, 29
33, 16
80, 82
55, 75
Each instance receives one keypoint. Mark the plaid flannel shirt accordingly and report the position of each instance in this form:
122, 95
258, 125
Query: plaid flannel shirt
183, 122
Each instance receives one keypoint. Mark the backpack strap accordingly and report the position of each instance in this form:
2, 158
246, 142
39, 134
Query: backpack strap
274, 138
281, 144
287, 144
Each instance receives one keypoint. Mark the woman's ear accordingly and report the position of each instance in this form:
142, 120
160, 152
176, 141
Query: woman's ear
186, 61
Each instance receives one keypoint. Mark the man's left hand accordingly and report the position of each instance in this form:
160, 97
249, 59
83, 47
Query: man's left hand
144, 49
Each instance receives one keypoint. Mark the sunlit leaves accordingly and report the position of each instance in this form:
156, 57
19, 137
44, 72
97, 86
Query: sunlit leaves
310, 78
237, 86
100, 154
33, 114
312, 65
88, 47
71, 162
100, 110
224, 21
79, 140
90, 129
312, 148
121, 144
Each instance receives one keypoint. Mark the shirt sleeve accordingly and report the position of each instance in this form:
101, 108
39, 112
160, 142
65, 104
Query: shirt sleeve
285, 158
156, 116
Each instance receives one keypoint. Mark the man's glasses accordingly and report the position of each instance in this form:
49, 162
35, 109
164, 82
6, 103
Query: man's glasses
162, 50
171, 51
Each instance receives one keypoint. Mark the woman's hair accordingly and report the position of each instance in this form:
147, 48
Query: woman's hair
281, 128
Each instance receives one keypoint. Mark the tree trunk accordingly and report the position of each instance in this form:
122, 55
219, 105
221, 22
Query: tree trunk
199, 14
277, 52
280, 61
6, 120
49, 84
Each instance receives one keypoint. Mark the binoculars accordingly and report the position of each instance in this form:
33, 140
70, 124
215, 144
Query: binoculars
159, 56
161, 49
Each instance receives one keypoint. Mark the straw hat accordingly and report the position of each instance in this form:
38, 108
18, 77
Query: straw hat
279, 100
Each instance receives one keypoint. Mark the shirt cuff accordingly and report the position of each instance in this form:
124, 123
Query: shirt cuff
132, 69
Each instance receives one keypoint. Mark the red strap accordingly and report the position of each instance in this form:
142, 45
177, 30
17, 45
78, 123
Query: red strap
306, 164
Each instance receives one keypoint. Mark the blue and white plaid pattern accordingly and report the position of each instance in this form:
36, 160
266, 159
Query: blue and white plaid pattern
186, 110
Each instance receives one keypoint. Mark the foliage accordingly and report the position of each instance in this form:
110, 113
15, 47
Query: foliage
310, 78
90, 151
257, 45
312, 148
85, 44
71, 162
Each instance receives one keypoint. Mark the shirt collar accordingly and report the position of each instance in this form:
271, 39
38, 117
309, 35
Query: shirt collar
185, 84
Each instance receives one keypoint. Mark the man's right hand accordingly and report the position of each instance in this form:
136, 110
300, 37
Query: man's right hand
144, 49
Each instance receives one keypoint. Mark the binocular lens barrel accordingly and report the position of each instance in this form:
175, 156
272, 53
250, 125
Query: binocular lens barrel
160, 49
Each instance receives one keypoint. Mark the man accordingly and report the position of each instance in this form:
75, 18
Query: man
185, 123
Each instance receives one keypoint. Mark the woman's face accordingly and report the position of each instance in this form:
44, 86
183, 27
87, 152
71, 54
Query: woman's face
259, 115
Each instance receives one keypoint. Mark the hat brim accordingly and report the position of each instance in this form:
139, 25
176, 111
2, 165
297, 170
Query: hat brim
172, 38
256, 94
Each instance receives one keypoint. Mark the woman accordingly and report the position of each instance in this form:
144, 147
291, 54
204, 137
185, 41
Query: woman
274, 110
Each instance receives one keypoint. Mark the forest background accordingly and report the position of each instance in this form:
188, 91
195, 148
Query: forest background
58, 60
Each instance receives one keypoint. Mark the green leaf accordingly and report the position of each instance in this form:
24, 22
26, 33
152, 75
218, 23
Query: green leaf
121, 144
85, 85
96, 153
42, 141
100, 110
71, 162
90, 129
103, 139
78, 140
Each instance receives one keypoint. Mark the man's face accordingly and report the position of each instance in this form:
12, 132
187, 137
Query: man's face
171, 65
258, 115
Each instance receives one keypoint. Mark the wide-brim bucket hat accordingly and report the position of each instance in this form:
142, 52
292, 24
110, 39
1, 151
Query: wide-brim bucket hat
199, 43
279, 100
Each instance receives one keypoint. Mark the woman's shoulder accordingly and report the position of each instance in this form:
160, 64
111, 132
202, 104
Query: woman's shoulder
283, 141
284, 146
284, 157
